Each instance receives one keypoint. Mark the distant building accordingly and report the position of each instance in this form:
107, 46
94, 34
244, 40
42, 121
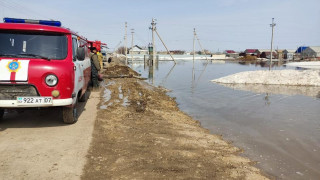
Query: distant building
301, 48
260, 51
311, 52
267, 55
177, 52
252, 52
231, 53
138, 50
280, 54
218, 56
288, 54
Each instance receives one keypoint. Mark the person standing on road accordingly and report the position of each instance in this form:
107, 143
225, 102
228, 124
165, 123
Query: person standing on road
95, 67
100, 58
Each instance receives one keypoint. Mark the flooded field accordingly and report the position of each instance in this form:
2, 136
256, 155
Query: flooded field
277, 126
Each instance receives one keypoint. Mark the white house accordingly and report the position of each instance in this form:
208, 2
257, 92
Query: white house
288, 54
137, 50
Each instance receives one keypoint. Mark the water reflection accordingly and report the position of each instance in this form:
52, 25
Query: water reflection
265, 64
266, 98
277, 126
312, 91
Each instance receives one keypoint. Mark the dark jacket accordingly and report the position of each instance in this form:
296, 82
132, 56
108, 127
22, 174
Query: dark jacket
95, 61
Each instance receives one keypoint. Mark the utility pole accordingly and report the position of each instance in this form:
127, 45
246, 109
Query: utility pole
153, 28
271, 53
200, 45
194, 39
132, 31
125, 41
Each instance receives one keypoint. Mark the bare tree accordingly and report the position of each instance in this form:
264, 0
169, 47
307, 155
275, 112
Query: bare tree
121, 50
207, 52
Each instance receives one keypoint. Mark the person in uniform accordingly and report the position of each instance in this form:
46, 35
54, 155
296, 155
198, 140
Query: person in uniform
95, 67
100, 58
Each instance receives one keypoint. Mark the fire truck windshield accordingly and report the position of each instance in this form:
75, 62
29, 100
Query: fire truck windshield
35, 45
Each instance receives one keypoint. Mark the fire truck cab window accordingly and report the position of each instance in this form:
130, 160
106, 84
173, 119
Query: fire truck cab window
74, 48
33, 45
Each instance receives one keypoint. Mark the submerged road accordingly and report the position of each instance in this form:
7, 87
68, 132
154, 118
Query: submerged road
36, 144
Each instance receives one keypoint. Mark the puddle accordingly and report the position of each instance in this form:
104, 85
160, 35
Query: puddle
126, 102
103, 107
107, 92
120, 92
277, 126
106, 106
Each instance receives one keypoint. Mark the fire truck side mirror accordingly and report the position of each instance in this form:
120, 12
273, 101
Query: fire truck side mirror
81, 55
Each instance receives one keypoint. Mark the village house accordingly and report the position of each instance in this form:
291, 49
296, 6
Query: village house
311, 52
177, 52
288, 54
138, 50
260, 53
267, 54
252, 52
231, 53
300, 49
298, 52
280, 54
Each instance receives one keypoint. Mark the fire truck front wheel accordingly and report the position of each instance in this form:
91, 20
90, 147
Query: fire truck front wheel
70, 114
84, 97
1, 113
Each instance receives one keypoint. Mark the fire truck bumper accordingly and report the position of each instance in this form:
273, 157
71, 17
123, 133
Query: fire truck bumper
15, 104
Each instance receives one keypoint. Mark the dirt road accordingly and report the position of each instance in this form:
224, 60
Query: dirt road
38, 145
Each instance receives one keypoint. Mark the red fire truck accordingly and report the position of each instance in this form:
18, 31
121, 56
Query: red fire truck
97, 44
42, 65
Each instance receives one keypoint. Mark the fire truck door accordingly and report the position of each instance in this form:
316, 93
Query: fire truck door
78, 68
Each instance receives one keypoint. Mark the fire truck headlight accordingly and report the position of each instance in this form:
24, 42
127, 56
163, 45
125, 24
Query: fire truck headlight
51, 80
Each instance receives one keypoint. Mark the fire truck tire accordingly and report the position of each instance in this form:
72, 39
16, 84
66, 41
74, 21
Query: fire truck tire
70, 114
84, 97
1, 113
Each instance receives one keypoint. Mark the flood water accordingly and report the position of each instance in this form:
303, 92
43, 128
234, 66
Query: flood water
277, 127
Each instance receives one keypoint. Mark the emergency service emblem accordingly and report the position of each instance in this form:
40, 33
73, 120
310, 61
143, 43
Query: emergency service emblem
13, 66
14, 70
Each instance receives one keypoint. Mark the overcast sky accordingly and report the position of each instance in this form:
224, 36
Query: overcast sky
220, 24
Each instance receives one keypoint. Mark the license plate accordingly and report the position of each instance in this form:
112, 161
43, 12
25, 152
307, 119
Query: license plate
34, 100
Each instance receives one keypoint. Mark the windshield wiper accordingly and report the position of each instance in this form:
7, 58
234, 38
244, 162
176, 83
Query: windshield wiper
34, 55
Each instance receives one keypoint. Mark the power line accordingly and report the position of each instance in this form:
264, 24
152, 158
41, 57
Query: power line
17, 7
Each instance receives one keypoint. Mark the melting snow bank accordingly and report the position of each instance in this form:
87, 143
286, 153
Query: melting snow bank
313, 91
308, 64
276, 77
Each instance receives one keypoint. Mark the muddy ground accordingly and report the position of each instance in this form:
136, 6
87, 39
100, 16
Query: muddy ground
140, 133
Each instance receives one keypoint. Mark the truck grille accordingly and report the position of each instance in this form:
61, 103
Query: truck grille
11, 92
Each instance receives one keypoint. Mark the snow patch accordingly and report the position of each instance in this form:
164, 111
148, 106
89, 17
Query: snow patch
307, 64
275, 77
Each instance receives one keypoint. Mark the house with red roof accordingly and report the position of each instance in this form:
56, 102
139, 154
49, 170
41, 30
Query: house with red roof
253, 52
231, 53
